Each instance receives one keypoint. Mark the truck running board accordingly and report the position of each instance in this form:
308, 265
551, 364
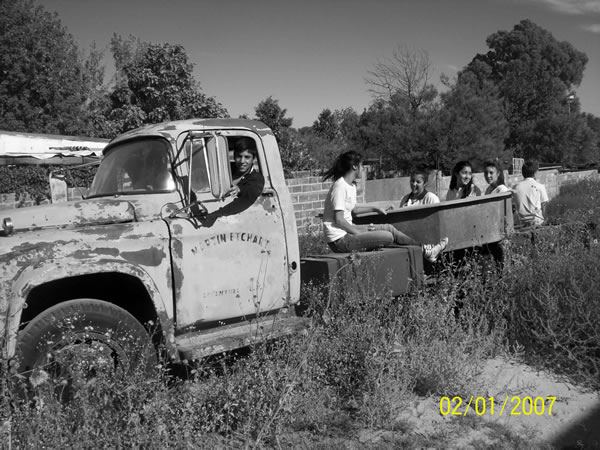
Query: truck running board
222, 339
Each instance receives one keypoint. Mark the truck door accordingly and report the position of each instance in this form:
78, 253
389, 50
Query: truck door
234, 266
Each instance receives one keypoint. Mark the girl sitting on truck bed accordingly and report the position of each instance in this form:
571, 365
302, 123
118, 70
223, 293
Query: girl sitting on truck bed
341, 234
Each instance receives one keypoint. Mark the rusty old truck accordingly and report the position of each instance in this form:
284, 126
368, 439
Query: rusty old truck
137, 259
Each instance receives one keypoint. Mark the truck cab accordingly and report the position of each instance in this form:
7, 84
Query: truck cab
149, 246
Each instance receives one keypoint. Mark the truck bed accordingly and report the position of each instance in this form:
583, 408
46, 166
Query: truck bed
399, 268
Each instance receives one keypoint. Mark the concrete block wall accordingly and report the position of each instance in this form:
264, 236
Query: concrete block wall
391, 190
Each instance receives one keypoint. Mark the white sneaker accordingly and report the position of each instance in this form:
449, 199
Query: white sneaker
431, 252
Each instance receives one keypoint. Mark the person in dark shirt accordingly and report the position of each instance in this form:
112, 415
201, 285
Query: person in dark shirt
248, 183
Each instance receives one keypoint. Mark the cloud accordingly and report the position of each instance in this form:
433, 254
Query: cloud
593, 28
576, 7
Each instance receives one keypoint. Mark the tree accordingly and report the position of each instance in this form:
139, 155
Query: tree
403, 79
154, 84
399, 128
97, 100
338, 126
326, 126
533, 73
328, 136
272, 115
593, 123
347, 119
42, 85
293, 148
472, 125
564, 139
387, 133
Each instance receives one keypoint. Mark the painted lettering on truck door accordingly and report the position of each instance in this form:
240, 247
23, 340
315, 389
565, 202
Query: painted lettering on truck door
231, 265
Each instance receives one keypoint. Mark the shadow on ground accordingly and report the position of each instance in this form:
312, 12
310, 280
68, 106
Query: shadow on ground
585, 433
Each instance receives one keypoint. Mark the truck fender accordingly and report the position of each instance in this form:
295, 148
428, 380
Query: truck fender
32, 277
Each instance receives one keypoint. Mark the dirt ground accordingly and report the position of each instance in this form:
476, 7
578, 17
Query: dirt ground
573, 421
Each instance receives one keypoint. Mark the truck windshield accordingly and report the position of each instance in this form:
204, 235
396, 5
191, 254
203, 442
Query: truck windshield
134, 167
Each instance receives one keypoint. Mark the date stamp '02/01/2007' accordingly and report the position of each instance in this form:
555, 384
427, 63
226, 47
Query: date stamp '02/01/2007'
512, 405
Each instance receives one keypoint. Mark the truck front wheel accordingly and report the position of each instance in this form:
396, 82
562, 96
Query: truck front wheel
83, 338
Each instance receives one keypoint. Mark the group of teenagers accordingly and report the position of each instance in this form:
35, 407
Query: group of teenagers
343, 236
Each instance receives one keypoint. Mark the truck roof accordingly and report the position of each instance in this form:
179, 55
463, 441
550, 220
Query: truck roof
172, 129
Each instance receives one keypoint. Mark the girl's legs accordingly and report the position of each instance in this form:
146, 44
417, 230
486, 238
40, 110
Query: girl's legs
368, 240
381, 236
373, 236
399, 237
430, 251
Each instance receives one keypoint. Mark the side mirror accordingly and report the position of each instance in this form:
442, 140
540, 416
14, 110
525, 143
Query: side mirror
218, 166
202, 161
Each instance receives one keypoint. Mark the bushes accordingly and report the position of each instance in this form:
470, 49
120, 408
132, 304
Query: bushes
553, 302
312, 243
578, 202
552, 284
360, 366
33, 180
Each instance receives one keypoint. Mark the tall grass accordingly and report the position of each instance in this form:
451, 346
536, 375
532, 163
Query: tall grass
553, 303
358, 367
579, 202
553, 287
361, 363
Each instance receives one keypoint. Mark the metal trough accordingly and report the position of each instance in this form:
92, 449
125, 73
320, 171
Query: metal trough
468, 223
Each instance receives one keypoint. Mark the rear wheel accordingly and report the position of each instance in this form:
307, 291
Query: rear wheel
84, 338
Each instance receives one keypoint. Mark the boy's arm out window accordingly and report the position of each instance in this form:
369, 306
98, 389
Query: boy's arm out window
253, 188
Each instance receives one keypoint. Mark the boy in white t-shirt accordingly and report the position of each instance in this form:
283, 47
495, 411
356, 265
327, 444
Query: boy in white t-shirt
530, 197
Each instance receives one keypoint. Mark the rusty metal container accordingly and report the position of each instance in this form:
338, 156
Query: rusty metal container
467, 223
398, 268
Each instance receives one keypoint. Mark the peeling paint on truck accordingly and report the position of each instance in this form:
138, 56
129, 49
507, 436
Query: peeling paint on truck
194, 274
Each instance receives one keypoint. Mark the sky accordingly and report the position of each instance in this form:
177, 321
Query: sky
315, 54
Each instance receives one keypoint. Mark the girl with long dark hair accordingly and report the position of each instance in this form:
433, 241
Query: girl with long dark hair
461, 183
341, 234
494, 175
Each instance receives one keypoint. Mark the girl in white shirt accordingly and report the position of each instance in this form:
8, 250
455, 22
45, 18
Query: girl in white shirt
419, 194
341, 234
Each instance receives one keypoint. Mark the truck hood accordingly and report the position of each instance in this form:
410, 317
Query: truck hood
70, 215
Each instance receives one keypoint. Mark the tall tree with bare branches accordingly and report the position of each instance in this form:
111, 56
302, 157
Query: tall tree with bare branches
403, 79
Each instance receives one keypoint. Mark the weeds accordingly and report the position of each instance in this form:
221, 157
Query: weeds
578, 202
312, 243
554, 307
360, 368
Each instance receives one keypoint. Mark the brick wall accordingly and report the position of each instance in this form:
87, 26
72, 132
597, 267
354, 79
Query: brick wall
308, 196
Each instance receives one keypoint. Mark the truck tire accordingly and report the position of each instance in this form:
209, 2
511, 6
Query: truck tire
84, 337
